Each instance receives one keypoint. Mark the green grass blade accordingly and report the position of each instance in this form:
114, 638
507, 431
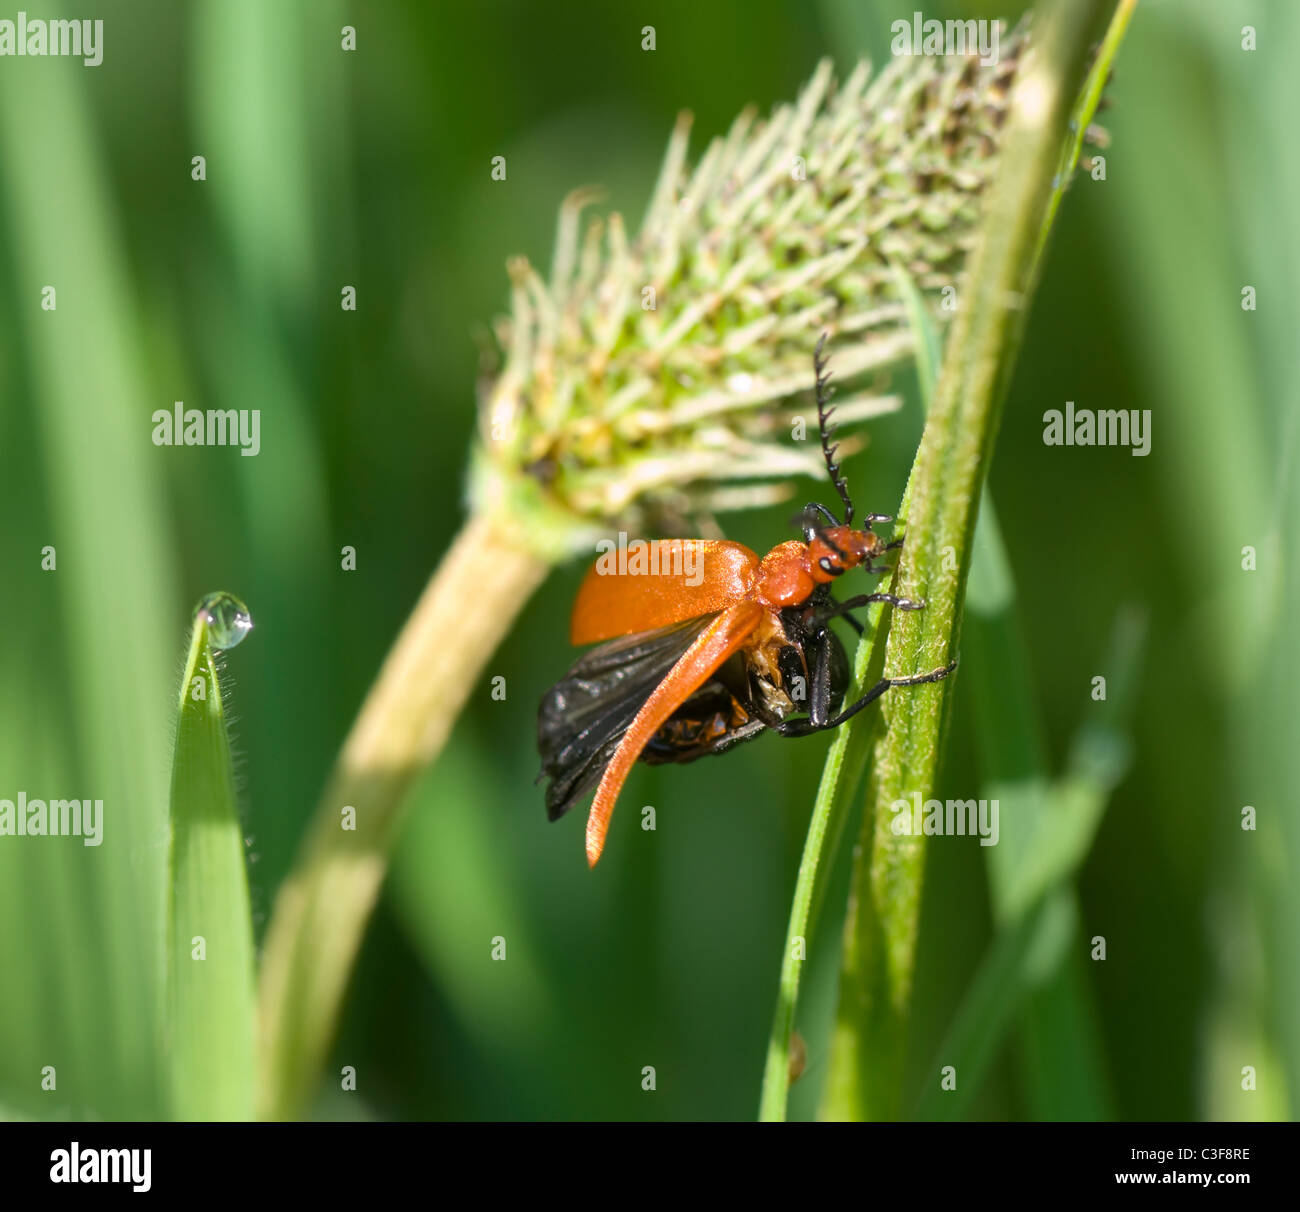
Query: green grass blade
840, 775
210, 937
951, 468
929, 345
84, 667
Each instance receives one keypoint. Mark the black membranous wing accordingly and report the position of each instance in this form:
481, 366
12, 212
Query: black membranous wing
583, 717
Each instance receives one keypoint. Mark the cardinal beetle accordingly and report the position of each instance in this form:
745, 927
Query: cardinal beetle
694, 665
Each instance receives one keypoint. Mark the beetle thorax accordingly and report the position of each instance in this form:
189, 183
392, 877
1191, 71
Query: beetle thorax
791, 571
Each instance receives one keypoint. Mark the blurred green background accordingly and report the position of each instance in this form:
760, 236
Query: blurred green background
372, 169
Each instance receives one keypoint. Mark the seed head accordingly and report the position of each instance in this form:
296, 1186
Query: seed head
657, 378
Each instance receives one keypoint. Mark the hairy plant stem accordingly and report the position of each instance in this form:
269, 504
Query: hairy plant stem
322, 909
940, 513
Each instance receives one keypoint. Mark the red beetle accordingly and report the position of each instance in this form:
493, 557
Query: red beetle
707, 645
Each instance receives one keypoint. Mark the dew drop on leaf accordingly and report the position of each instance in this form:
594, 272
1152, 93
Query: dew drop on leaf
227, 619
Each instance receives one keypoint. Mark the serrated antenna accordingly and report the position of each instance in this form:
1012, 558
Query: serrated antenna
824, 391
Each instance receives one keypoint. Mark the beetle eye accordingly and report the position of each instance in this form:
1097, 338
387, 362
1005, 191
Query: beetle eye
826, 564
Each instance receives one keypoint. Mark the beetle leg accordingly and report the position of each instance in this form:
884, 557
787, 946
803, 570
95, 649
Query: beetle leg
819, 692
863, 598
737, 736
806, 726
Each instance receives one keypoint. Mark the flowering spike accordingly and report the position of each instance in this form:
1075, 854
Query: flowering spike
649, 372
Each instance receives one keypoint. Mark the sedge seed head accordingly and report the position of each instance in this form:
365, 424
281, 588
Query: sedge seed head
661, 376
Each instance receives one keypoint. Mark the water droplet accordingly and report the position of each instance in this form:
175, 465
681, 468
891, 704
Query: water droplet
227, 619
